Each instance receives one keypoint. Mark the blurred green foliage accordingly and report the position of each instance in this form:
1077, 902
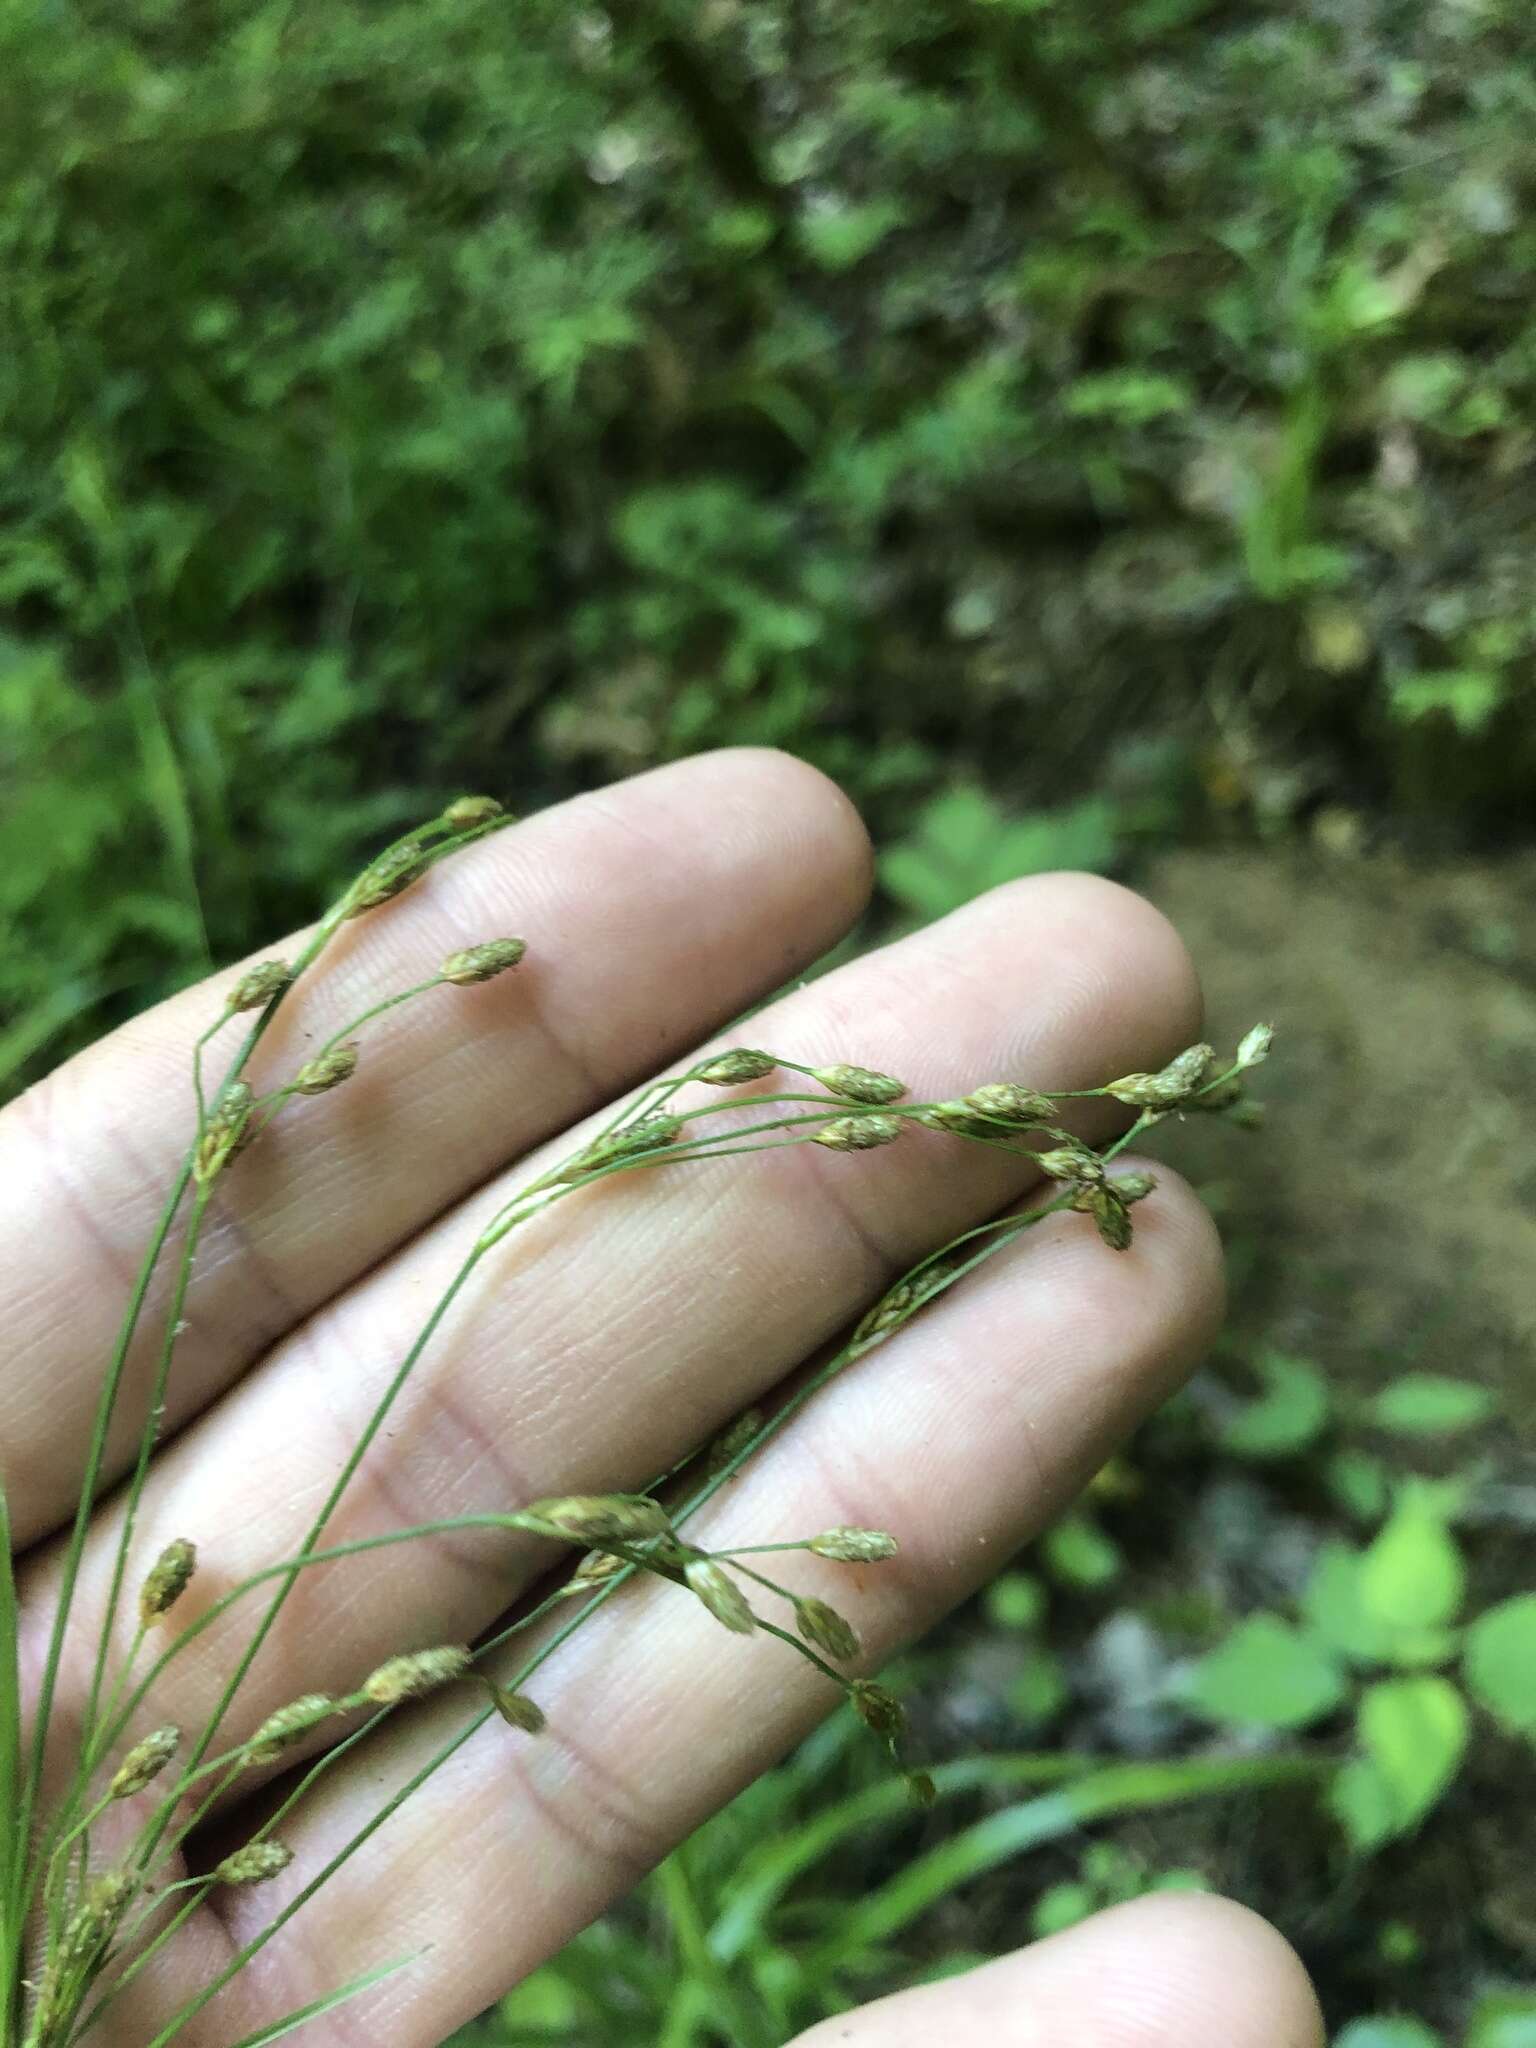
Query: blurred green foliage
390, 390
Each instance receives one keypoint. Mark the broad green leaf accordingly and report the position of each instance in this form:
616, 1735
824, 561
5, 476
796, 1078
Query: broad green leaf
1500, 1662
1359, 1483
542, 2000
1078, 1551
1335, 1607
1411, 1576
1015, 1601
1361, 1801
1131, 397
1388, 2033
1504, 2019
1468, 697
1289, 1413
1430, 1404
1267, 1674
1061, 1906
1040, 1691
1414, 1731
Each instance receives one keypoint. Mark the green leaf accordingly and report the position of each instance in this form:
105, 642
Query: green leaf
1335, 1607
1388, 2033
1078, 1551
1015, 1601
1267, 1674
1131, 398
1040, 1691
1361, 1801
1061, 1906
1358, 1482
1289, 1413
1504, 2019
1411, 1576
1414, 1734
1467, 697
837, 238
1112, 1790
964, 845
1430, 1404
1499, 1661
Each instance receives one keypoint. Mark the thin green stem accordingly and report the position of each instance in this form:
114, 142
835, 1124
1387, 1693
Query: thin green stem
75, 1549
148, 1438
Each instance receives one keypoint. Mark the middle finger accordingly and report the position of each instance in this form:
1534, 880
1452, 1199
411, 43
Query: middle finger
601, 1341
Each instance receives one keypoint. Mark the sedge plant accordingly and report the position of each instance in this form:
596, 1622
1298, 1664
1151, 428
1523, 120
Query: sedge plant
100, 1813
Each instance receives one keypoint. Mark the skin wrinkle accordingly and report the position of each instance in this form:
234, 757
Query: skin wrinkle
547, 1240
775, 810
686, 1771
698, 1736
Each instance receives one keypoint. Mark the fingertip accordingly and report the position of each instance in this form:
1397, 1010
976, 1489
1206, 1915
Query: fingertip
807, 805
1181, 1258
1174, 1970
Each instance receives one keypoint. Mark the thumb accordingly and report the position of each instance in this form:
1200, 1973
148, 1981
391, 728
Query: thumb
1168, 1971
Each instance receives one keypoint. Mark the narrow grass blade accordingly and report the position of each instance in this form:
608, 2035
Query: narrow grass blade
768, 1871
1118, 1788
321, 2006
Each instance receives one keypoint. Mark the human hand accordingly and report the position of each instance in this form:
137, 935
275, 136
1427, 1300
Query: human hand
653, 912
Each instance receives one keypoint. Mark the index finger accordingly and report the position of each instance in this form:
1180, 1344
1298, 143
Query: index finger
653, 912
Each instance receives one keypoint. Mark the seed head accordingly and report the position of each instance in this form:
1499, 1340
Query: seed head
144, 1763
1166, 1090
1255, 1047
958, 1118
721, 1595
167, 1579
258, 985
483, 962
1133, 1187
1010, 1104
253, 1864
94, 1921
888, 1313
281, 1730
733, 1441
326, 1070
597, 1519
1111, 1217
860, 1084
1070, 1162
467, 813
649, 1134
826, 1629
854, 1546
726, 1069
858, 1133
82, 1948
880, 1711
594, 1568
518, 1711
226, 1131
413, 1676
389, 875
